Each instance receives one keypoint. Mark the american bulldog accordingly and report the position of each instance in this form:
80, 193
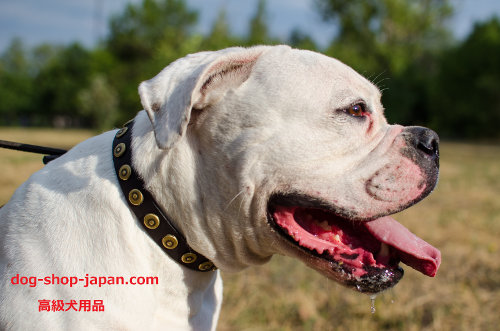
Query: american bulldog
249, 153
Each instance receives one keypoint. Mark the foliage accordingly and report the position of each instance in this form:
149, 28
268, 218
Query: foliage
258, 31
299, 39
394, 41
144, 38
99, 103
60, 80
220, 35
466, 99
135, 34
402, 46
392, 32
16, 84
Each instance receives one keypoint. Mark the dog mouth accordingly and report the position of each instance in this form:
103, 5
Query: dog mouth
363, 255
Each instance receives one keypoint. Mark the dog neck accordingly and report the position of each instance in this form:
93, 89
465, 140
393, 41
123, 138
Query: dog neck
173, 177
141, 202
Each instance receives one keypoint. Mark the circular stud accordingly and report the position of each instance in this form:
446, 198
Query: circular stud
205, 266
119, 150
135, 197
169, 241
121, 132
124, 172
188, 258
127, 123
151, 221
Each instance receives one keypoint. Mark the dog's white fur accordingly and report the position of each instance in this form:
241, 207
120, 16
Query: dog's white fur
221, 132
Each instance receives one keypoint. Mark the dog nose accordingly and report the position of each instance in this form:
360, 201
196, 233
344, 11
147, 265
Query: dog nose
425, 140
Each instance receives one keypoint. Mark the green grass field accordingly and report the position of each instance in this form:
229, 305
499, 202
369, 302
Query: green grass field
461, 218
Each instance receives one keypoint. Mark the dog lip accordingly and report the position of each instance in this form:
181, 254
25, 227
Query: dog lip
307, 201
366, 279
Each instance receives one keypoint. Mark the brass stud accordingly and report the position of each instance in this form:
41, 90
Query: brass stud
151, 221
127, 123
119, 150
205, 266
169, 241
121, 132
124, 172
188, 258
135, 197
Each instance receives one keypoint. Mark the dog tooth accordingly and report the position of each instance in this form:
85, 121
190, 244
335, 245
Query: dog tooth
324, 225
336, 237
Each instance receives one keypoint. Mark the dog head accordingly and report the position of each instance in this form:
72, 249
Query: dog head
287, 151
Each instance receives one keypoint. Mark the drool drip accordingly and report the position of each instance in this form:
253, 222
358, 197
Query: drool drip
372, 300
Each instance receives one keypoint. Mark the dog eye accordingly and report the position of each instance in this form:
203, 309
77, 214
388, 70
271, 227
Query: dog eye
356, 110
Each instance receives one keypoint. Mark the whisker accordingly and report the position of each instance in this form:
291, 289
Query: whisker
230, 202
380, 81
374, 80
239, 209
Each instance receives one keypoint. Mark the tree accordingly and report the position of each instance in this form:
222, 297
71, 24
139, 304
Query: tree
258, 32
16, 84
220, 35
466, 98
401, 45
143, 39
135, 33
99, 103
59, 82
395, 39
395, 32
299, 39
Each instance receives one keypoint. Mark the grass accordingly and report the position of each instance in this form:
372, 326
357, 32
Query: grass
18, 166
461, 218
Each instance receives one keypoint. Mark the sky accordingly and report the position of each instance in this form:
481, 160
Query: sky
65, 21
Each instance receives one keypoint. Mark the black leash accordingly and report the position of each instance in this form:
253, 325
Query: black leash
50, 153
156, 224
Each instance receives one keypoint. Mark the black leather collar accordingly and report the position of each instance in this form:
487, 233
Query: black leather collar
141, 202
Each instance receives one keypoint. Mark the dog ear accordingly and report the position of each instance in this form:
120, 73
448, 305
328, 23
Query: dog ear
195, 81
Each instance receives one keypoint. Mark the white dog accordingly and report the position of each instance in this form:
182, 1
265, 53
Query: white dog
249, 153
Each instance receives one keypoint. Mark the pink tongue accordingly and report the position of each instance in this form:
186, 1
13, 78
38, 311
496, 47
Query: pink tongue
412, 250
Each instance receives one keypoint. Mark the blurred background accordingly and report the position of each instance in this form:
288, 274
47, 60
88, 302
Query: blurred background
78, 63
69, 69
